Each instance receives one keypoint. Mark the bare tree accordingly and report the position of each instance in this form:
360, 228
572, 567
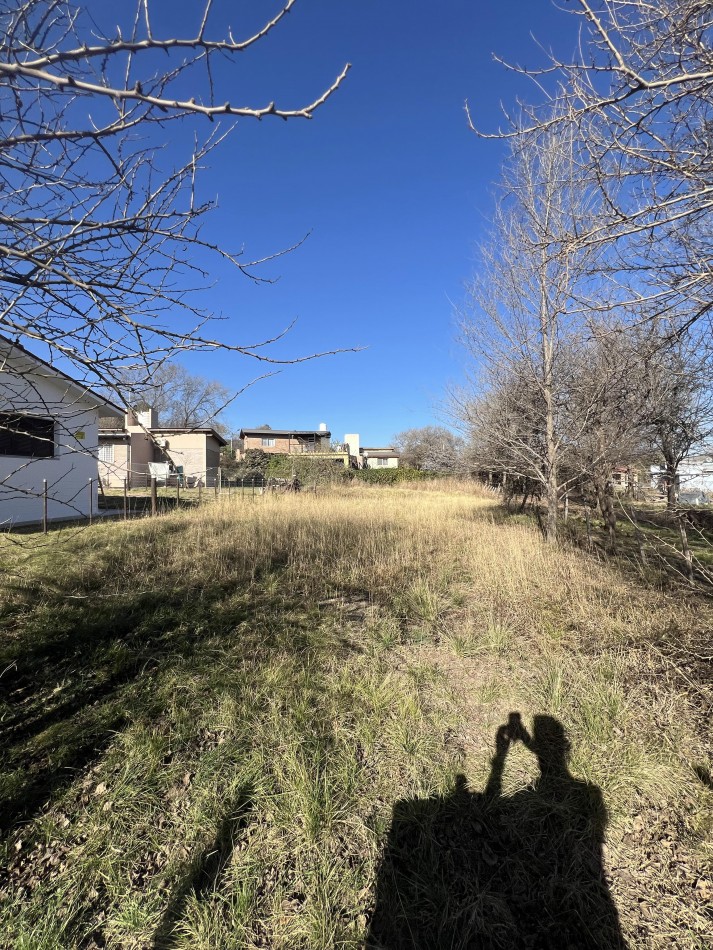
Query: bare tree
608, 414
100, 227
521, 323
181, 398
640, 92
679, 410
430, 449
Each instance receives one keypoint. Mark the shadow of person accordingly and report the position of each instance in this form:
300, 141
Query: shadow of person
489, 872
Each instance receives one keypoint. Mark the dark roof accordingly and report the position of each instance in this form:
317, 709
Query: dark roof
387, 450
85, 390
267, 433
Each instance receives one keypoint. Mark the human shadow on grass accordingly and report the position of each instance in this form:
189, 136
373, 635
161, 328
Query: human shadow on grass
490, 872
201, 876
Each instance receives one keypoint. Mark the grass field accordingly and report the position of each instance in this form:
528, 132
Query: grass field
292, 722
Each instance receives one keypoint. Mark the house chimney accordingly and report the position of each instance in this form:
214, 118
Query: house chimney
148, 418
352, 440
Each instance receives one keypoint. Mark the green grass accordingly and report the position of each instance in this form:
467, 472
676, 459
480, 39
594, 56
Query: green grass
219, 725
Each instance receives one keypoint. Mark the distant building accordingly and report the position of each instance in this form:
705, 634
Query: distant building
694, 480
140, 448
386, 457
313, 442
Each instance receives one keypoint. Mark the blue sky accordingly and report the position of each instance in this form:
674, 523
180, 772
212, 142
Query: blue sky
391, 185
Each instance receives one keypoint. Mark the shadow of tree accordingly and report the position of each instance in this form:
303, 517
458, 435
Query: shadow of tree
202, 876
480, 870
79, 664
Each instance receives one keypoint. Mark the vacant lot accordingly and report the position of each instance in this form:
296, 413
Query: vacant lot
292, 722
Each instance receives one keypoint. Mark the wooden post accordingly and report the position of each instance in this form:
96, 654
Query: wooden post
91, 499
566, 508
154, 496
589, 525
228, 488
220, 481
200, 491
178, 490
126, 513
44, 506
685, 548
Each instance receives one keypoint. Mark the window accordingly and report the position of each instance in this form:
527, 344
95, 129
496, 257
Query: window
268, 443
106, 453
382, 461
26, 436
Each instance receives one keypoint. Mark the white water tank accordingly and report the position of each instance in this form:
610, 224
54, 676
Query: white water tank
323, 427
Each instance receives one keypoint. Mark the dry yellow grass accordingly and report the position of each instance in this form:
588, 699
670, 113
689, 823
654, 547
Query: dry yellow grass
252, 687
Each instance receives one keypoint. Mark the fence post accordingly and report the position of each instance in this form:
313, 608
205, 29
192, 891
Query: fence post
154, 497
44, 506
685, 548
200, 492
253, 484
178, 491
589, 525
91, 499
220, 481
126, 514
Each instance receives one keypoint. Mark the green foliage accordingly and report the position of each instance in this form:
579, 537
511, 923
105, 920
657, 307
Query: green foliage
390, 476
254, 462
309, 469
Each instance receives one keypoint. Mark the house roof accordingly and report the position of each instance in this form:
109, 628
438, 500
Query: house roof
122, 434
387, 451
267, 433
10, 346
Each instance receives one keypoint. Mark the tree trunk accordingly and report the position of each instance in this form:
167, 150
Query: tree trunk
606, 506
670, 490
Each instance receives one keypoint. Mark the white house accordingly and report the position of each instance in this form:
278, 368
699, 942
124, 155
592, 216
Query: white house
48, 434
694, 480
385, 457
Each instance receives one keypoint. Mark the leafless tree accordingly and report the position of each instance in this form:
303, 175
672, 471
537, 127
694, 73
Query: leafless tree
181, 398
100, 229
430, 449
640, 92
608, 414
679, 406
522, 321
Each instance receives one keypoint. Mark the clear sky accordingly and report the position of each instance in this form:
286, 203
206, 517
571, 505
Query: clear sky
391, 185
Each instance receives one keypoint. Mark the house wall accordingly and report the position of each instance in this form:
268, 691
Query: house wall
113, 473
284, 444
281, 446
696, 474
374, 463
34, 390
197, 452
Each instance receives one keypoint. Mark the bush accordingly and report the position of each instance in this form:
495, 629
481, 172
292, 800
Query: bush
391, 476
308, 470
